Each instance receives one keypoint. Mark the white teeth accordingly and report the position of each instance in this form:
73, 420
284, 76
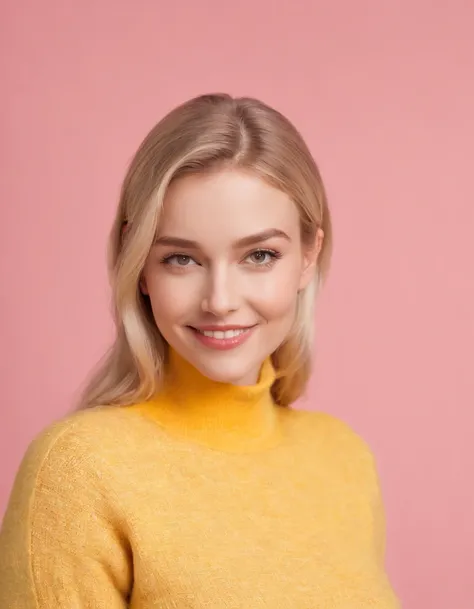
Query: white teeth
221, 335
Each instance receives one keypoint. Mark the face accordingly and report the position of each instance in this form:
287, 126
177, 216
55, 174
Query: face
224, 273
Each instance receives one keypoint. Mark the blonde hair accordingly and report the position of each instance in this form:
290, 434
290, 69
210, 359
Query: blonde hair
205, 133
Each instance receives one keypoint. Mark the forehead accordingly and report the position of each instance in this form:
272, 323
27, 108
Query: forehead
224, 205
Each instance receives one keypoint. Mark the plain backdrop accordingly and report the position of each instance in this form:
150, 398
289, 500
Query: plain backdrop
383, 91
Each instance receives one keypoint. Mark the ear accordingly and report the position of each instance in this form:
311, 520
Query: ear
310, 259
143, 286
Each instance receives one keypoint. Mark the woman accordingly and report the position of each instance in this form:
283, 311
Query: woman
188, 480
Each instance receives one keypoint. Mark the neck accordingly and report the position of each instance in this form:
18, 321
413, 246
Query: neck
223, 416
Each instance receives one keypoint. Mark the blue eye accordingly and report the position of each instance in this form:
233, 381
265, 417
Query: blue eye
178, 260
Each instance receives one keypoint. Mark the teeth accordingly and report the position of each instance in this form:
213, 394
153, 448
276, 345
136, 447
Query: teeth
221, 335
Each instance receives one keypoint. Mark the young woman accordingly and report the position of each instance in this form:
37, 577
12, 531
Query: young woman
188, 480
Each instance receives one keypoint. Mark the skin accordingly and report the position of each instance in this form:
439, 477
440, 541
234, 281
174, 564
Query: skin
219, 280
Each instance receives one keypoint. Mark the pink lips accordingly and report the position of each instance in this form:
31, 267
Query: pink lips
223, 343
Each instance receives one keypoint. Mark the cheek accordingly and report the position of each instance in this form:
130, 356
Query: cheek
276, 295
171, 298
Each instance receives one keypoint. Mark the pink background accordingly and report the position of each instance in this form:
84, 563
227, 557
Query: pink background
384, 93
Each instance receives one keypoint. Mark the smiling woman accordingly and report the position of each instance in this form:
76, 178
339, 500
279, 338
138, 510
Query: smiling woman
240, 242
187, 478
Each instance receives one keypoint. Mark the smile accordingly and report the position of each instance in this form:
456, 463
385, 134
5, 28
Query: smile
222, 334
222, 339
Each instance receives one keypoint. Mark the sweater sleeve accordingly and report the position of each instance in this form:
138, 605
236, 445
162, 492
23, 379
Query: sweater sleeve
359, 464
61, 543
378, 512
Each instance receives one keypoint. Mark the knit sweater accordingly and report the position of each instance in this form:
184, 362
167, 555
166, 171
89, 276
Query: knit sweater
208, 496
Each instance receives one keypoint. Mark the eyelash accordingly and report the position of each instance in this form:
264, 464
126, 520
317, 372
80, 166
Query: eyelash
274, 256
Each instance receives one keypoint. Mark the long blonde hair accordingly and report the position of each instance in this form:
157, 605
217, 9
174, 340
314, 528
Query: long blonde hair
204, 133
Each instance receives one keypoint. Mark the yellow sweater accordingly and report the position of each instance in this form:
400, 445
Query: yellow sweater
207, 497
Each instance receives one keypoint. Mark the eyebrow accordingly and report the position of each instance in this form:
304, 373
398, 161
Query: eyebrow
244, 242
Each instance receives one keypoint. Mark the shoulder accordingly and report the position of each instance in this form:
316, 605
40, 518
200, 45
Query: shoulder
332, 434
326, 424
78, 432
64, 507
72, 449
324, 438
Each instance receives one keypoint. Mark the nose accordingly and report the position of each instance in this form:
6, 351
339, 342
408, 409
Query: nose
221, 294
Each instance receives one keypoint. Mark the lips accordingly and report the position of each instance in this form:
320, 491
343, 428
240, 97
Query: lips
222, 337
220, 334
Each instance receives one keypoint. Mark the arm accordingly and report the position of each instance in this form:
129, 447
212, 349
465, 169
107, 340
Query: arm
378, 512
61, 544
359, 464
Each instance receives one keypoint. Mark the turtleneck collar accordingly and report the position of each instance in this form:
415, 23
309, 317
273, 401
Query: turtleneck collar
222, 416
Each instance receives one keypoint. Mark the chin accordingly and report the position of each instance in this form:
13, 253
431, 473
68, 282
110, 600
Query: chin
228, 372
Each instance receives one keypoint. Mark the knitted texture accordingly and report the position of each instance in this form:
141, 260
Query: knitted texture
145, 507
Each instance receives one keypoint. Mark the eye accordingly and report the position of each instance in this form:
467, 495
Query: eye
181, 260
263, 257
